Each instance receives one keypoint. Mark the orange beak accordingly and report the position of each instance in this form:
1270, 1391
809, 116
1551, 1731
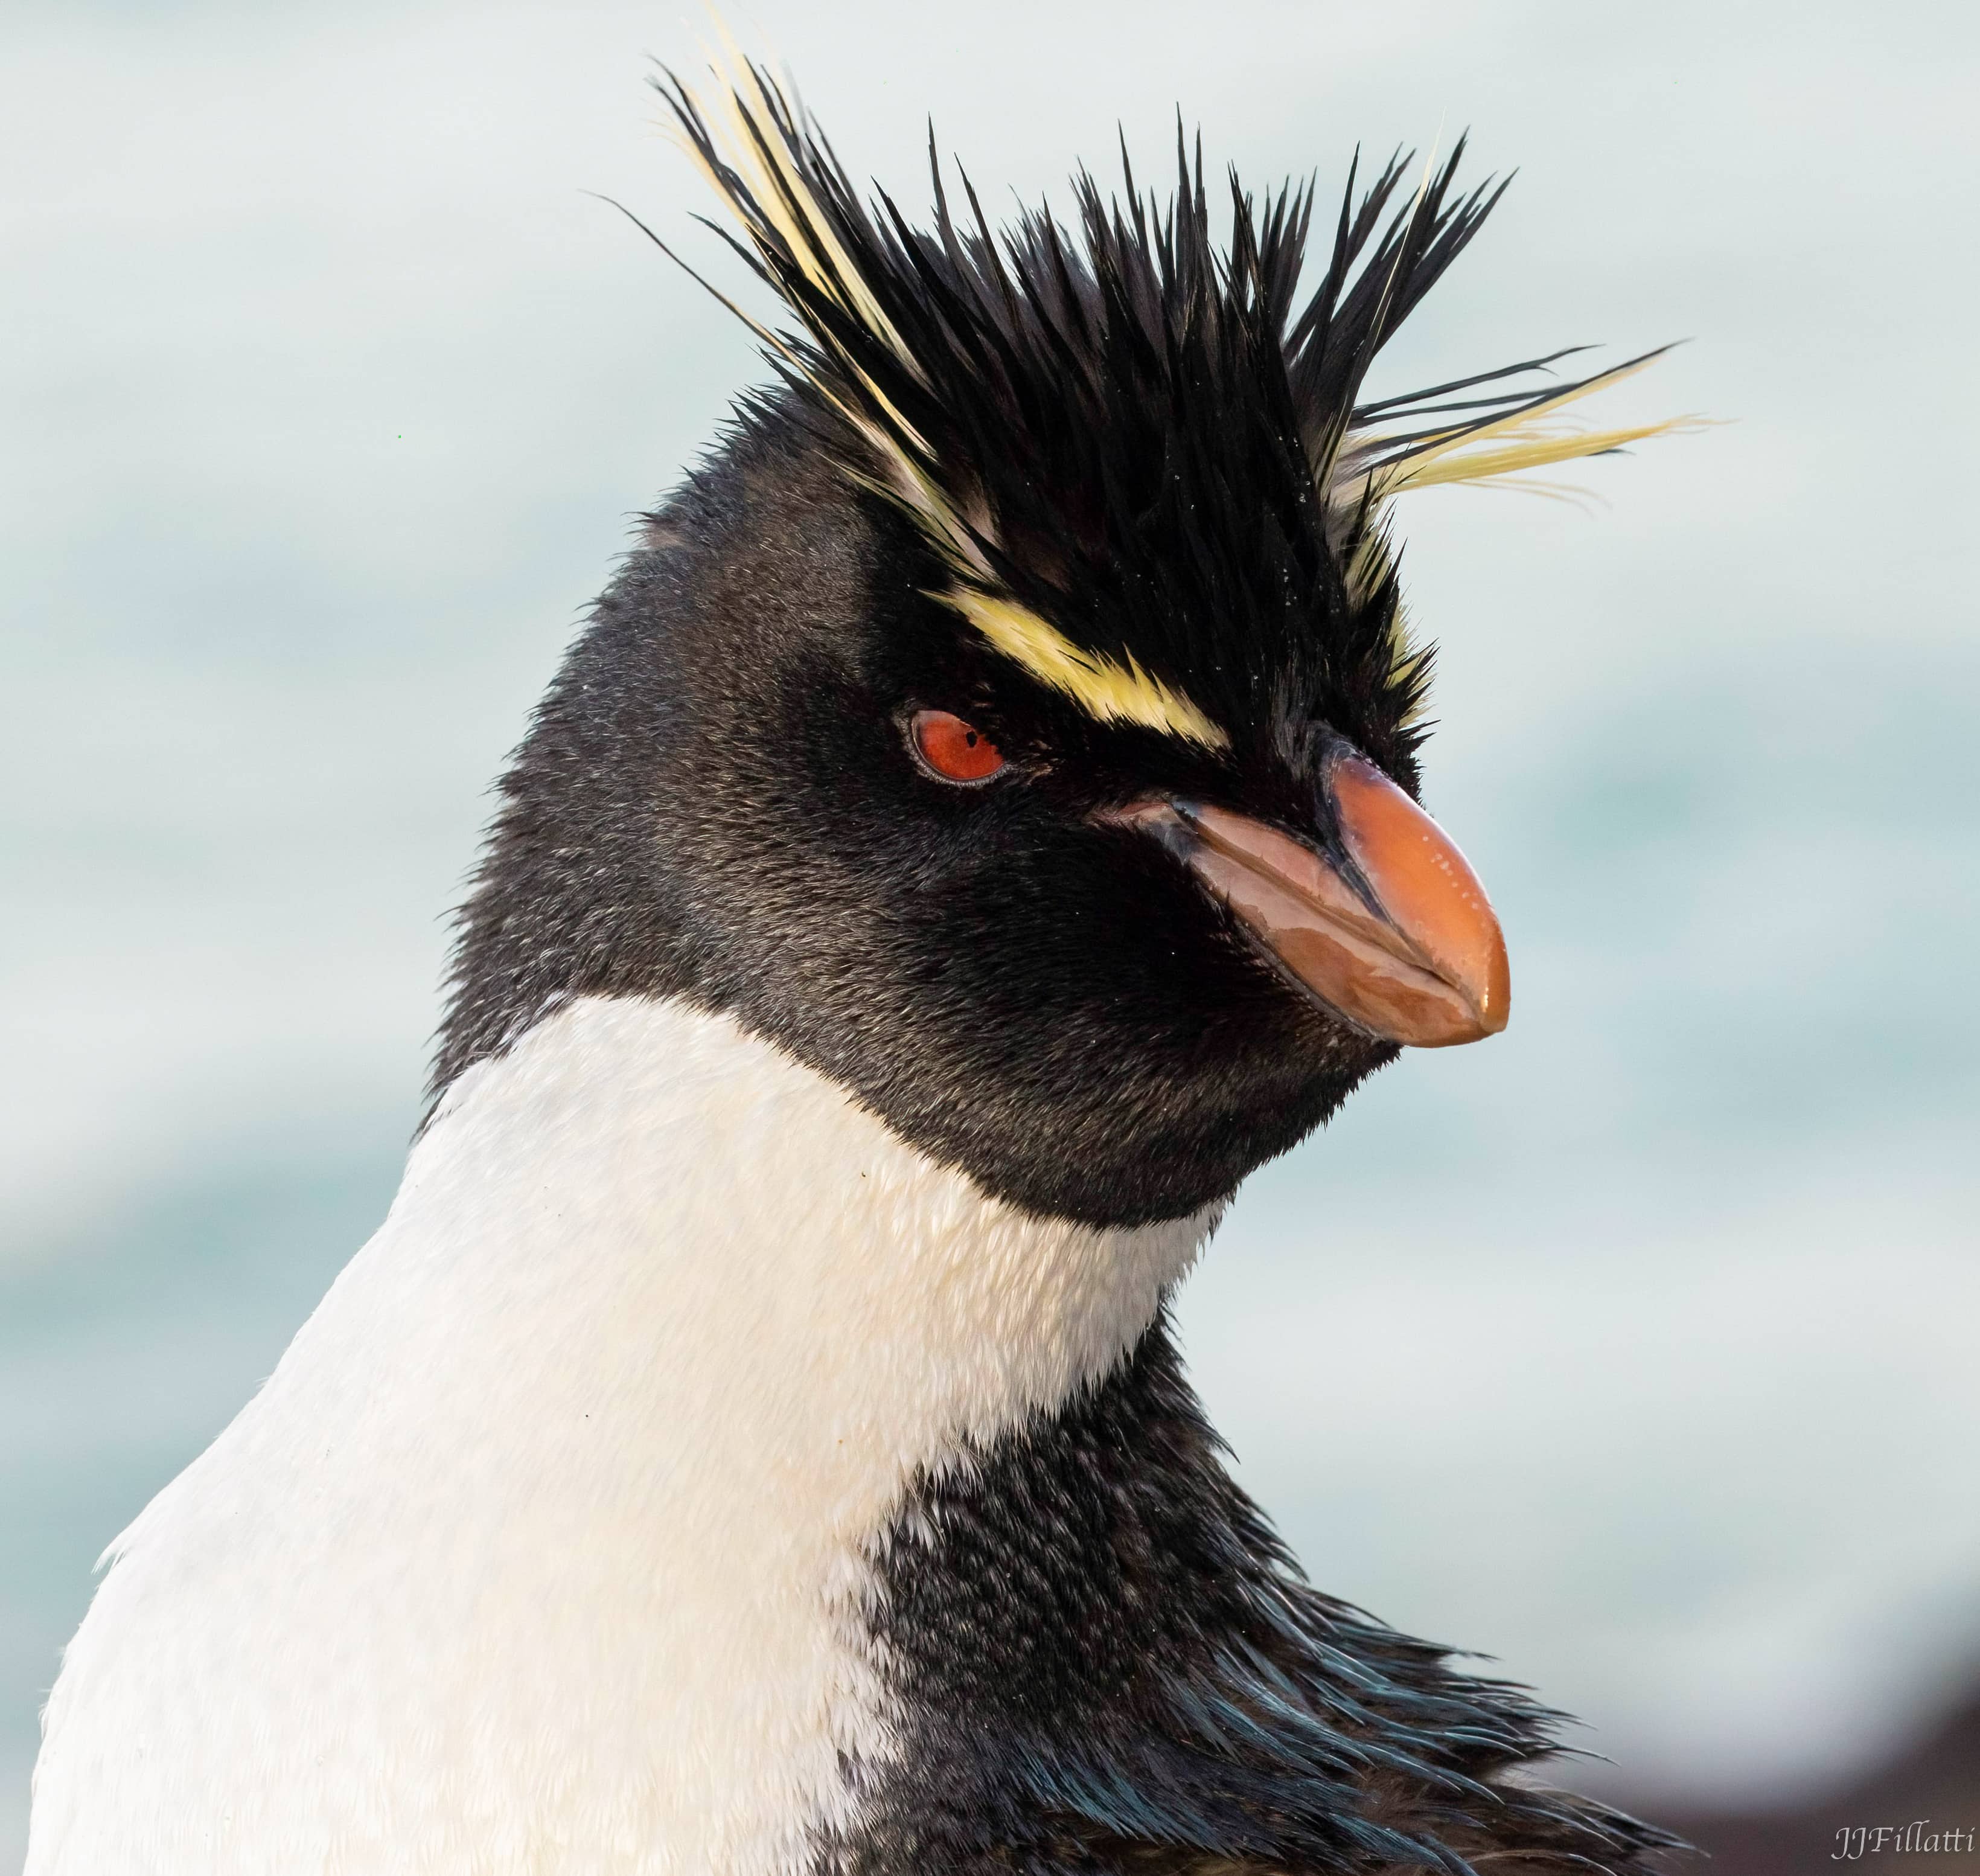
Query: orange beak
1400, 938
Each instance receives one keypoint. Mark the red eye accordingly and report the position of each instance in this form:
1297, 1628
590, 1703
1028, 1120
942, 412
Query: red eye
957, 751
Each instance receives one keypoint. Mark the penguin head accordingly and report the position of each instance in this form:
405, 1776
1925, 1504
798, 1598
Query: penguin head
1017, 721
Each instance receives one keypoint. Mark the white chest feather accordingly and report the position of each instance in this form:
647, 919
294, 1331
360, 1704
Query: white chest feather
543, 1549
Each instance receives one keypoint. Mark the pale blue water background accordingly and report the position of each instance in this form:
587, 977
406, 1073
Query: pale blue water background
1638, 1346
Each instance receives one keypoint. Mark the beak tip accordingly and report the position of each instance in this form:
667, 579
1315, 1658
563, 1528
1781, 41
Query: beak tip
1489, 993
1480, 1021
1428, 890
1495, 1007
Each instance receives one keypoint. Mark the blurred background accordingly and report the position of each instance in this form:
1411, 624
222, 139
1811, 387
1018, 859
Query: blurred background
1637, 1348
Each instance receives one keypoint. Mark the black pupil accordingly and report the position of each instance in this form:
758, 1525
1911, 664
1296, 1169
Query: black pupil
969, 737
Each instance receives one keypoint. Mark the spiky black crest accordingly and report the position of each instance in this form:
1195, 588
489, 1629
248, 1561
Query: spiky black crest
1139, 463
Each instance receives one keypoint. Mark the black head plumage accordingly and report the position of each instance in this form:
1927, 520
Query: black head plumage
1141, 461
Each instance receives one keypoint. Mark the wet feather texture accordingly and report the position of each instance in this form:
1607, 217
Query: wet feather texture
1147, 1683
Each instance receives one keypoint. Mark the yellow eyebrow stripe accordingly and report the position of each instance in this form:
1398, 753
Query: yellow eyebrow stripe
1108, 691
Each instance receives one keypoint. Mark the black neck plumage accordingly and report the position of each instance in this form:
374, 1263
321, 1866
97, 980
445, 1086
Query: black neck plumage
1109, 1662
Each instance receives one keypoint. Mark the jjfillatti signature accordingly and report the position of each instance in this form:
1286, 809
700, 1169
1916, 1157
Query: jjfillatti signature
1917, 1839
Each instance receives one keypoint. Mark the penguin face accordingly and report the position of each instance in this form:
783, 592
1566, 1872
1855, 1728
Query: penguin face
1035, 943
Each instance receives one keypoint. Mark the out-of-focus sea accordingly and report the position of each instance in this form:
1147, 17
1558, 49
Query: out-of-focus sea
1636, 1347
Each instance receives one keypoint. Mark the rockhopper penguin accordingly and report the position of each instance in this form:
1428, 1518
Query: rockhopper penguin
976, 829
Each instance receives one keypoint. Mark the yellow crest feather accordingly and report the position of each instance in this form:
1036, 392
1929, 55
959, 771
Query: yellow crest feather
1530, 437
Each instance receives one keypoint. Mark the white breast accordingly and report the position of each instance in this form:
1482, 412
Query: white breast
544, 1547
